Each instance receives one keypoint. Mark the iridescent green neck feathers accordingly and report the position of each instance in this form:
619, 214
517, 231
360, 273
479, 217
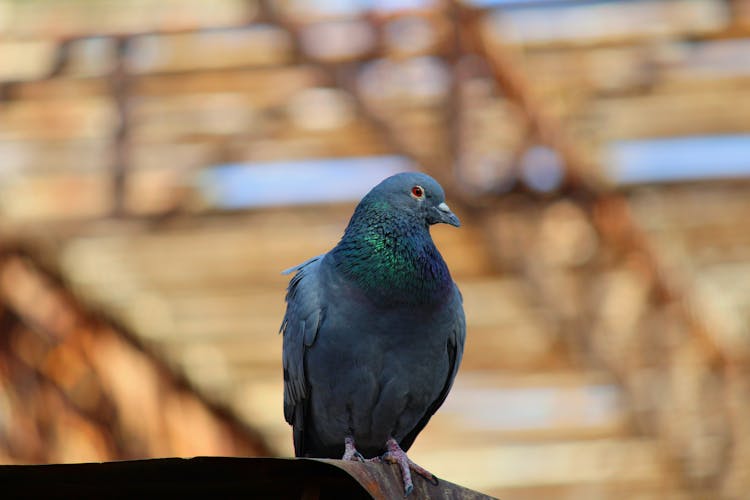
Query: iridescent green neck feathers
392, 258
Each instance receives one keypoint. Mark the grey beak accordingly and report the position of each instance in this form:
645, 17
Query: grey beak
446, 216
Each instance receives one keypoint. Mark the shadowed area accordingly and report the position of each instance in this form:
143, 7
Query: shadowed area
211, 476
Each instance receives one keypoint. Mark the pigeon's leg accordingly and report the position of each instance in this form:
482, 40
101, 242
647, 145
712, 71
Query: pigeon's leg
350, 452
396, 455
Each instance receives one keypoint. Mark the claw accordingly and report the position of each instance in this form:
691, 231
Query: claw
398, 456
350, 451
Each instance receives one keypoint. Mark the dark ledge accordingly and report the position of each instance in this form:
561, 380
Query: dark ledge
219, 477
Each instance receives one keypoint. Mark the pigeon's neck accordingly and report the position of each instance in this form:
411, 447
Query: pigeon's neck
392, 260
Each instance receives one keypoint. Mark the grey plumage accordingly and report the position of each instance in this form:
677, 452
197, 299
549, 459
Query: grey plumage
374, 329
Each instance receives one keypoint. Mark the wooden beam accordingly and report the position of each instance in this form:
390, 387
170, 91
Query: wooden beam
120, 88
515, 85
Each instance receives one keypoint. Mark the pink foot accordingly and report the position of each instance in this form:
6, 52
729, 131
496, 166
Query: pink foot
350, 452
396, 455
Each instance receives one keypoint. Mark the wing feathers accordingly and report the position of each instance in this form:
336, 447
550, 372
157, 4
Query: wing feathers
300, 328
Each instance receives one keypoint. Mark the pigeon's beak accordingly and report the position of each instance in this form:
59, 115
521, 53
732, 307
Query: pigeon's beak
445, 215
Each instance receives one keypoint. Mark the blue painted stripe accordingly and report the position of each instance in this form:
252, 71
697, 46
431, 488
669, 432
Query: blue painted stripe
242, 185
679, 159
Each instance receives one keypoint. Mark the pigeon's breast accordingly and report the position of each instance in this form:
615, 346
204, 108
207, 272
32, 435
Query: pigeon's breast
397, 340
375, 373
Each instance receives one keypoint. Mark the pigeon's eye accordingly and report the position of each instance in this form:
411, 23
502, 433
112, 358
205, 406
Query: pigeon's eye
417, 192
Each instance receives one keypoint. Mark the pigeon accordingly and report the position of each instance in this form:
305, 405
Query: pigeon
374, 331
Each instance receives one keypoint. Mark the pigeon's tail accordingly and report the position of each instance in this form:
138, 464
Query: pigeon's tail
299, 433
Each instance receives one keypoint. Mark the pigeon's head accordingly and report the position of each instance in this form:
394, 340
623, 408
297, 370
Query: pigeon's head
416, 195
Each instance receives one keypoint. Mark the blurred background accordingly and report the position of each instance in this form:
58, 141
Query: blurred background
162, 161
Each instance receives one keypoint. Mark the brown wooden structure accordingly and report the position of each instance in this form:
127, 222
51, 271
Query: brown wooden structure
607, 352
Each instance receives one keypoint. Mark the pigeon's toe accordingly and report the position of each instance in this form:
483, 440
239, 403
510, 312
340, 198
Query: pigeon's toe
350, 451
396, 455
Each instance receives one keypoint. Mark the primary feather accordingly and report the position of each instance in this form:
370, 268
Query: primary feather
374, 329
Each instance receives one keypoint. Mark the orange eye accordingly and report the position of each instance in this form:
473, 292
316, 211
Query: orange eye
417, 192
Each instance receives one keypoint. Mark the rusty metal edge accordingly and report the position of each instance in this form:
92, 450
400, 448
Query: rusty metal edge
383, 481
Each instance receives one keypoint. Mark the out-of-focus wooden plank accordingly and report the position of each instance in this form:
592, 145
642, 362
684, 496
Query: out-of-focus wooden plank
61, 195
610, 488
267, 87
26, 59
63, 119
617, 23
535, 406
673, 114
80, 18
573, 462
58, 88
37, 159
252, 46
